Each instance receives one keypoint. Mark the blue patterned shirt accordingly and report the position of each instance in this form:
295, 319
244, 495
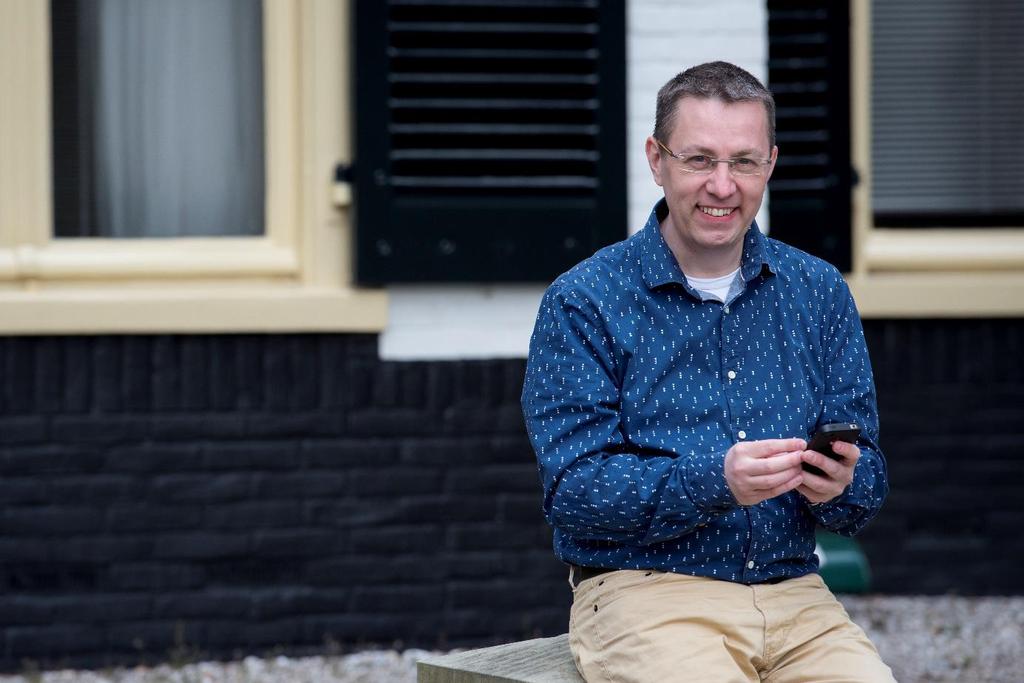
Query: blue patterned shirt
636, 386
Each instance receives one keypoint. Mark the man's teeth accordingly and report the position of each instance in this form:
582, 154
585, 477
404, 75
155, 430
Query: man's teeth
715, 212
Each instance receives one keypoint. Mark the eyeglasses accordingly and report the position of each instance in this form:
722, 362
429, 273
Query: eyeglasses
702, 164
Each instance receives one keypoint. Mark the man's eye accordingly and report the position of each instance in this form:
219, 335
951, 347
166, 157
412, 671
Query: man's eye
698, 161
744, 164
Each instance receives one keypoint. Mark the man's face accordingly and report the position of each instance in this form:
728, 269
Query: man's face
711, 213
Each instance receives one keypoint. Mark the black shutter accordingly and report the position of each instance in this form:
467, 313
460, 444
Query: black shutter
489, 137
809, 72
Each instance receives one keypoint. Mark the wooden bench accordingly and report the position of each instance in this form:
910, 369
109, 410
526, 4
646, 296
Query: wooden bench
542, 660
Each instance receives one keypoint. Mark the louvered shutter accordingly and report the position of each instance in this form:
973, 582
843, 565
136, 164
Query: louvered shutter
809, 73
947, 102
489, 138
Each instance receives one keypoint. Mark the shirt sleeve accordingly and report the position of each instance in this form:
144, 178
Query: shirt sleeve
850, 397
597, 486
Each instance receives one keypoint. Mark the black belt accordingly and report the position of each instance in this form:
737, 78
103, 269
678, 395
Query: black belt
581, 574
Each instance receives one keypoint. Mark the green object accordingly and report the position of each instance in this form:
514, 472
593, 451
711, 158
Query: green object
843, 564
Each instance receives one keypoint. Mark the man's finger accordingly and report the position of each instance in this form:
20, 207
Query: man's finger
770, 482
847, 450
823, 463
810, 494
775, 464
786, 487
817, 483
769, 447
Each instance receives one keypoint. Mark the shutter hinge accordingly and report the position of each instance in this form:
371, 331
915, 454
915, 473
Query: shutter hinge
341, 192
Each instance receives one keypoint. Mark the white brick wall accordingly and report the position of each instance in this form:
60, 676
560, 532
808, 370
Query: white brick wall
449, 322
664, 37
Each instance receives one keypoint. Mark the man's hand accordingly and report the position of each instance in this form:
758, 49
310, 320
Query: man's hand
819, 489
759, 470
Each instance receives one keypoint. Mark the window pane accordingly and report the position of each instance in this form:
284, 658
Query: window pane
158, 118
947, 141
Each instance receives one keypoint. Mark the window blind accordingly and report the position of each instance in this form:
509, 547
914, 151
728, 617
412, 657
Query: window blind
947, 100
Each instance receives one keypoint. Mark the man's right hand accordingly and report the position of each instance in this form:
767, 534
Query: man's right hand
759, 470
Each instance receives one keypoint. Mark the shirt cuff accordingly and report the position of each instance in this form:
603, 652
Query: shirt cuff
836, 510
705, 482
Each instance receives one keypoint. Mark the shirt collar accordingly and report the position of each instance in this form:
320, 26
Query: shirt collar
660, 266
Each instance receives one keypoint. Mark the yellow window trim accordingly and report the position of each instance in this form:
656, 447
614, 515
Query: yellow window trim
253, 309
921, 273
138, 259
297, 277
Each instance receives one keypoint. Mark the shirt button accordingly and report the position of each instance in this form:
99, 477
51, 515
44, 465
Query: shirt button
732, 374
742, 434
726, 310
750, 565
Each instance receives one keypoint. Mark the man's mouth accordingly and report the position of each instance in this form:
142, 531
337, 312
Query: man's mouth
718, 213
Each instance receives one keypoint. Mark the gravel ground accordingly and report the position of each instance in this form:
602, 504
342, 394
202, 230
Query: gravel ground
970, 640
934, 639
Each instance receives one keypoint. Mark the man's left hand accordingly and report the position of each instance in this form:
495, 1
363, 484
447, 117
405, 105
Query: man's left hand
821, 489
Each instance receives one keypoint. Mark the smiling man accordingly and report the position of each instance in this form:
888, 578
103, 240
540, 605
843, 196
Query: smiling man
715, 180
673, 381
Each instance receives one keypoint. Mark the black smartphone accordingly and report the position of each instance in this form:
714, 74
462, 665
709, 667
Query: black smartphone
824, 438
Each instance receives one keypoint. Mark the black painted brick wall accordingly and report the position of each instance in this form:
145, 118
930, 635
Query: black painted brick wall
237, 493
244, 492
951, 399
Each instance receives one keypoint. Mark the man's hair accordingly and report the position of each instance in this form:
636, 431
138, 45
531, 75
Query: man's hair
713, 80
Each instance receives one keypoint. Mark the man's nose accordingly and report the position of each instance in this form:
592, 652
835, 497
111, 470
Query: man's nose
720, 182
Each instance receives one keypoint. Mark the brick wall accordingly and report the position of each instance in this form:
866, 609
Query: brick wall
951, 397
236, 493
244, 492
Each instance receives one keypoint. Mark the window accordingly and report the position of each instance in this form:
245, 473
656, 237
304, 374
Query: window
288, 271
490, 137
157, 118
913, 254
947, 138
944, 267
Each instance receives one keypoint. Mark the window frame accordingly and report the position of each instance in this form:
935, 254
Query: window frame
921, 272
295, 277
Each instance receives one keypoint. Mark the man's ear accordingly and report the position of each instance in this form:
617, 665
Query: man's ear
654, 158
771, 166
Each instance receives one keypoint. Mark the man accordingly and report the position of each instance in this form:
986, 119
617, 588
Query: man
672, 383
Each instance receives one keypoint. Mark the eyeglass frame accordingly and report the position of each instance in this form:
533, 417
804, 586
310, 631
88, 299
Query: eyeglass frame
714, 163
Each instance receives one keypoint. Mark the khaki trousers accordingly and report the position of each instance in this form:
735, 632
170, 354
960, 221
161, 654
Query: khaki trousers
655, 627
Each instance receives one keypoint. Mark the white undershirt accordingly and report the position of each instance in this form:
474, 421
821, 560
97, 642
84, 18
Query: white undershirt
717, 287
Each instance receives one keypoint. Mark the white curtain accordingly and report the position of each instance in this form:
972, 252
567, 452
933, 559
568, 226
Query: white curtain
178, 126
